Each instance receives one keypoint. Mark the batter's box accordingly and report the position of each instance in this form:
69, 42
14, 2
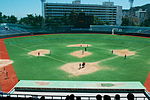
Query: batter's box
81, 53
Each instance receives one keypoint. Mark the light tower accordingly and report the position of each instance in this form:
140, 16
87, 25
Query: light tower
43, 15
131, 3
42, 2
131, 12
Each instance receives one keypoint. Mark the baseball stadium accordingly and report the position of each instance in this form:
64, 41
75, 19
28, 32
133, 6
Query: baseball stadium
74, 61
76, 51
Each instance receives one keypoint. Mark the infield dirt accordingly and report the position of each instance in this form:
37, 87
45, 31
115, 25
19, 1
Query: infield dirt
73, 68
79, 45
123, 52
39, 52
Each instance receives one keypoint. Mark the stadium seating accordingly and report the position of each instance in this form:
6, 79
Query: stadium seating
22, 29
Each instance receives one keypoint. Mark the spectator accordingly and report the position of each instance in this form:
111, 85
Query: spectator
42, 98
67, 97
117, 97
130, 96
78, 98
8, 98
98, 97
107, 97
72, 97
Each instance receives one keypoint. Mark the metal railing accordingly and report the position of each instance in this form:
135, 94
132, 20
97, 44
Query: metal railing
59, 97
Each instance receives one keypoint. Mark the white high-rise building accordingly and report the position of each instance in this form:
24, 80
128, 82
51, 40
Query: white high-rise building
141, 15
108, 12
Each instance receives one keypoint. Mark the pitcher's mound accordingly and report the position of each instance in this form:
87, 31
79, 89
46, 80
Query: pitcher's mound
73, 68
79, 45
80, 53
39, 52
123, 52
5, 62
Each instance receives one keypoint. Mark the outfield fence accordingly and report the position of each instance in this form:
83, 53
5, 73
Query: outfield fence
121, 29
13, 29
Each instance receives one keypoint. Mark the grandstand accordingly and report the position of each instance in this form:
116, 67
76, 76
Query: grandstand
11, 29
128, 30
16, 29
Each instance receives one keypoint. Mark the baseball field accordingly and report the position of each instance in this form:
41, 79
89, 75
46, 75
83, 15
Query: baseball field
60, 57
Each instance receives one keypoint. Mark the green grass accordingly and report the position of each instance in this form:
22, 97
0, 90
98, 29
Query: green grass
134, 68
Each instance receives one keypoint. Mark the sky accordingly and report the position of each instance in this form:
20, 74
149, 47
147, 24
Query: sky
21, 8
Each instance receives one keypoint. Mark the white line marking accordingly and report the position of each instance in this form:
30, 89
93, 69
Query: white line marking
45, 56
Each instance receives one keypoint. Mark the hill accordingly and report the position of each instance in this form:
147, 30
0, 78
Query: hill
144, 7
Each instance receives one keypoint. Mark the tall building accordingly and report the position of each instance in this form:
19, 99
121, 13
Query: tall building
141, 15
107, 12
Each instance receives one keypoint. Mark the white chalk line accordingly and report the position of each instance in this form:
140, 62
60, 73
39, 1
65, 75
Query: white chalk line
88, 47
142, 48
56, 59
110, 58
42, 56
38, 45
63, 60
20, 47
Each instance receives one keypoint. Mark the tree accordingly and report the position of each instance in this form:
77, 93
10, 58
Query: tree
7, 19
38, 20
4, 19
84, 20
53, 23
80, 20
146, 23
65, 20
12, 19
128, 21
147, 20
125, 21
1, 17
32, 20
72, 18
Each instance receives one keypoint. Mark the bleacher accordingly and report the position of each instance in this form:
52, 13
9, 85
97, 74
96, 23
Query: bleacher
121, 29
146, 31
8, 29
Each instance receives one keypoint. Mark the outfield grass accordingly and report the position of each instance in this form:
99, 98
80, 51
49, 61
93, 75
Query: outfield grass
134, 68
